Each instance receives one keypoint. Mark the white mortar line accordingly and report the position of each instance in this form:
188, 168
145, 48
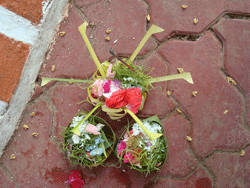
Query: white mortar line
17, 27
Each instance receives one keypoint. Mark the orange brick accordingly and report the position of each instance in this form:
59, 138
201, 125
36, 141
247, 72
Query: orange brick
29, 9
13, 56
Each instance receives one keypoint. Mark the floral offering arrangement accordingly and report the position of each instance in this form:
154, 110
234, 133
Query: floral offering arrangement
119, 89
138, 151
94, 143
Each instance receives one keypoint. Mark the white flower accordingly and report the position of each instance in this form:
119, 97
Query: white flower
76, 139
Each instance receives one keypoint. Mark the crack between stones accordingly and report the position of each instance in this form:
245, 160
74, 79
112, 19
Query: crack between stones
10, 176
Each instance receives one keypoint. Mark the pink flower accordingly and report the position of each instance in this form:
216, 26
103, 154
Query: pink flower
109, 74
92, 129
97, 88
121, 146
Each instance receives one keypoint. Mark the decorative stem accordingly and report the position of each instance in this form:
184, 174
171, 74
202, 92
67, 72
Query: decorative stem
82, 29
76, 128
151, 135
111, 50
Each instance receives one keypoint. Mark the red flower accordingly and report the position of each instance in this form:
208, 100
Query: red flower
117, 99
134, 99
75, 179
131, 98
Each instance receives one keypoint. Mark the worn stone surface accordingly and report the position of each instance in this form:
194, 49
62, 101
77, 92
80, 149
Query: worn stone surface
198, 179
65, 97
231, 170
210, 128
236, 53
157, 103
37, 158
13, 56
180, 21
5, 180
127, 21
179, 161
70, 55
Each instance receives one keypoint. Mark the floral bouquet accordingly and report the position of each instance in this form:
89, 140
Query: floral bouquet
94, 142
138, 151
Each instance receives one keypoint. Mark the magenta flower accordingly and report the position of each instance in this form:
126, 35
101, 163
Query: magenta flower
128, 158
106, 86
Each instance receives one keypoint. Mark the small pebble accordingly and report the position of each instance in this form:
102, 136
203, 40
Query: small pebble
35, 134
225, 112
189, 138
53, 68
148, 18
194, 93
168, 93
25, 126
195, 21
12, 156
62, 33
183, 6
107, 38
108, 31
32, 114
242, 153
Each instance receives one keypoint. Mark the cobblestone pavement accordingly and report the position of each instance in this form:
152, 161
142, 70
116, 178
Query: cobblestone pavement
216, 52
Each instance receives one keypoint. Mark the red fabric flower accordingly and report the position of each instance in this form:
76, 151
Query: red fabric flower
131, 98
75, 179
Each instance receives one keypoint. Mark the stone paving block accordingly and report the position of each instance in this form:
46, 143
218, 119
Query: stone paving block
238, 7
81, 3
157, 103
127, 21
181, 20
69, 54
230, 170
38, 159
13, 57
179, 162
5, 180
236, 52
65, 97
211, 129
29, 9
199, 179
